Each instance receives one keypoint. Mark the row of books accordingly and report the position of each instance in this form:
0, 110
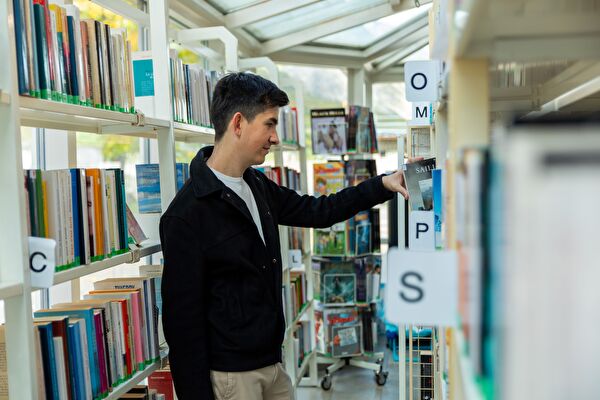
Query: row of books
277, 175
288, 125
148, 185
347, 282
83, 210
298, 291
90, 346
192, 89
63, 58
345, 331
334, 132
357, 236
296, 238
331, 177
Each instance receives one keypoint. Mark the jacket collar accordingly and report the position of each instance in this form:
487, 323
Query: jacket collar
203, 179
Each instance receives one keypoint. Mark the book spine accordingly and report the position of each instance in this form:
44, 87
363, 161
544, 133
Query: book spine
50, 39
110, 67
84, 230
87, 78
100, 56
75, 212
42, 49
29, 19
21, 47
105, 67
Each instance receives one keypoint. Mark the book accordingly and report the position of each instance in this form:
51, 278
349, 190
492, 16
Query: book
417, 176
339, 289
358, 129
148, 185
436, 179
336, 319
328, 130
346, 340
134, 229
330, 241
328, 178
162, 381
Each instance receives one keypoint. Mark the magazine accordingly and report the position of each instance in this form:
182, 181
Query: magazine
336, 319
328, 128
346, 340
330, 241
418, 180
339, 289
328, 178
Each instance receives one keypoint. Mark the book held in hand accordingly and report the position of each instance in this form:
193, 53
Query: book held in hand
417, 176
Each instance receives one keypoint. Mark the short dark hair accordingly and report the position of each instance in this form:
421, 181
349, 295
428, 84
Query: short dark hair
246, 93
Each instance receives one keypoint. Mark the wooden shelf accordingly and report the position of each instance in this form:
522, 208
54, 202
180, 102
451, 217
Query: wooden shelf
137, 377
62, 116
8, 289
192, 133
129, 257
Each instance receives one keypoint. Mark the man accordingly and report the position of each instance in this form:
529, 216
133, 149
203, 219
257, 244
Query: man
221, 288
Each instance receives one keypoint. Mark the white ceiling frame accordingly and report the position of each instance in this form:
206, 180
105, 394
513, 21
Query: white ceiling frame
327, 28
210, 13
400, 45
332, 51
267, 9
291, 57
402, 54
380, 46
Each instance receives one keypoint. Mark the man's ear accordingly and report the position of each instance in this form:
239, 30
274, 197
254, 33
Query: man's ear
236, 123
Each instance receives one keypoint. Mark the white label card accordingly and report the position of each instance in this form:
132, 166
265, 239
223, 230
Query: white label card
422, 288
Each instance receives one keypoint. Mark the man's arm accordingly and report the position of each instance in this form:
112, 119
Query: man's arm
184, 316
324, 211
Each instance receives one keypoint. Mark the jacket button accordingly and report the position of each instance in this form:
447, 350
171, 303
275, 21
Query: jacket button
264, 267
228, 195
274, 261
268, 212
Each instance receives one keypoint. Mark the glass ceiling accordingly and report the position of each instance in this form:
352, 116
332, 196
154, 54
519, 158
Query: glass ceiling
365, 35
228, 6
418, 55
305, 17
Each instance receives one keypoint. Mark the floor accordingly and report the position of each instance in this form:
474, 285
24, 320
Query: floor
352, 383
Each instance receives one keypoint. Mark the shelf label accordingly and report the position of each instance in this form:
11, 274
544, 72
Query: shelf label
421, 79
421, 230
422, 114
422, 288
42, 261
295, 258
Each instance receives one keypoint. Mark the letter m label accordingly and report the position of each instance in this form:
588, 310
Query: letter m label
421, 112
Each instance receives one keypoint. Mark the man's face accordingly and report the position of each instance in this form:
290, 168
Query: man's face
260, 134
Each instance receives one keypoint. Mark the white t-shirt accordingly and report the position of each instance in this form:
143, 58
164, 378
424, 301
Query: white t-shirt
241, 188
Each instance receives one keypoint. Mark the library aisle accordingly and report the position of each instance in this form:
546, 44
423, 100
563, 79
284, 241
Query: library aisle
124, 275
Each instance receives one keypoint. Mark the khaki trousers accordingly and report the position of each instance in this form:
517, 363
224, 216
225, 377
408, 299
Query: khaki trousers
268, 383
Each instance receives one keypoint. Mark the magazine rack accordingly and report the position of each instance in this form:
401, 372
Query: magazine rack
347, 349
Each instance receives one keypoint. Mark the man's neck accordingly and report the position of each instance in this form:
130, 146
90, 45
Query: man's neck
226, 161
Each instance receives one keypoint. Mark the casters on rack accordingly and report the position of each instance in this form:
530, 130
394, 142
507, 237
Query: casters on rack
381, 375
326, 382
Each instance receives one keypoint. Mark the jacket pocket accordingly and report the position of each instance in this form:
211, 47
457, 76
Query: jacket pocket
234, 306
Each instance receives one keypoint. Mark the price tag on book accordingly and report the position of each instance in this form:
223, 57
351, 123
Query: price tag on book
42, 261
422, 288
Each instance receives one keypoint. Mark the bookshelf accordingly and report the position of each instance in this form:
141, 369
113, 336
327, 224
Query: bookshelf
505, 61
139, 376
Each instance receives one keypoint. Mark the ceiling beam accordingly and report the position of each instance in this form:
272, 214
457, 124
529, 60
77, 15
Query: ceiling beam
402, 54
291, 57
263, 11
335, 51
211, 14
327, 28
381, 46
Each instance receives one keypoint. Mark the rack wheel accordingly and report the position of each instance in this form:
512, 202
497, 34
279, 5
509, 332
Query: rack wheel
326, 382
381, 377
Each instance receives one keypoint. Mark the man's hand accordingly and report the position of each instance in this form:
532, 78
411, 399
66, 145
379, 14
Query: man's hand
395, 182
